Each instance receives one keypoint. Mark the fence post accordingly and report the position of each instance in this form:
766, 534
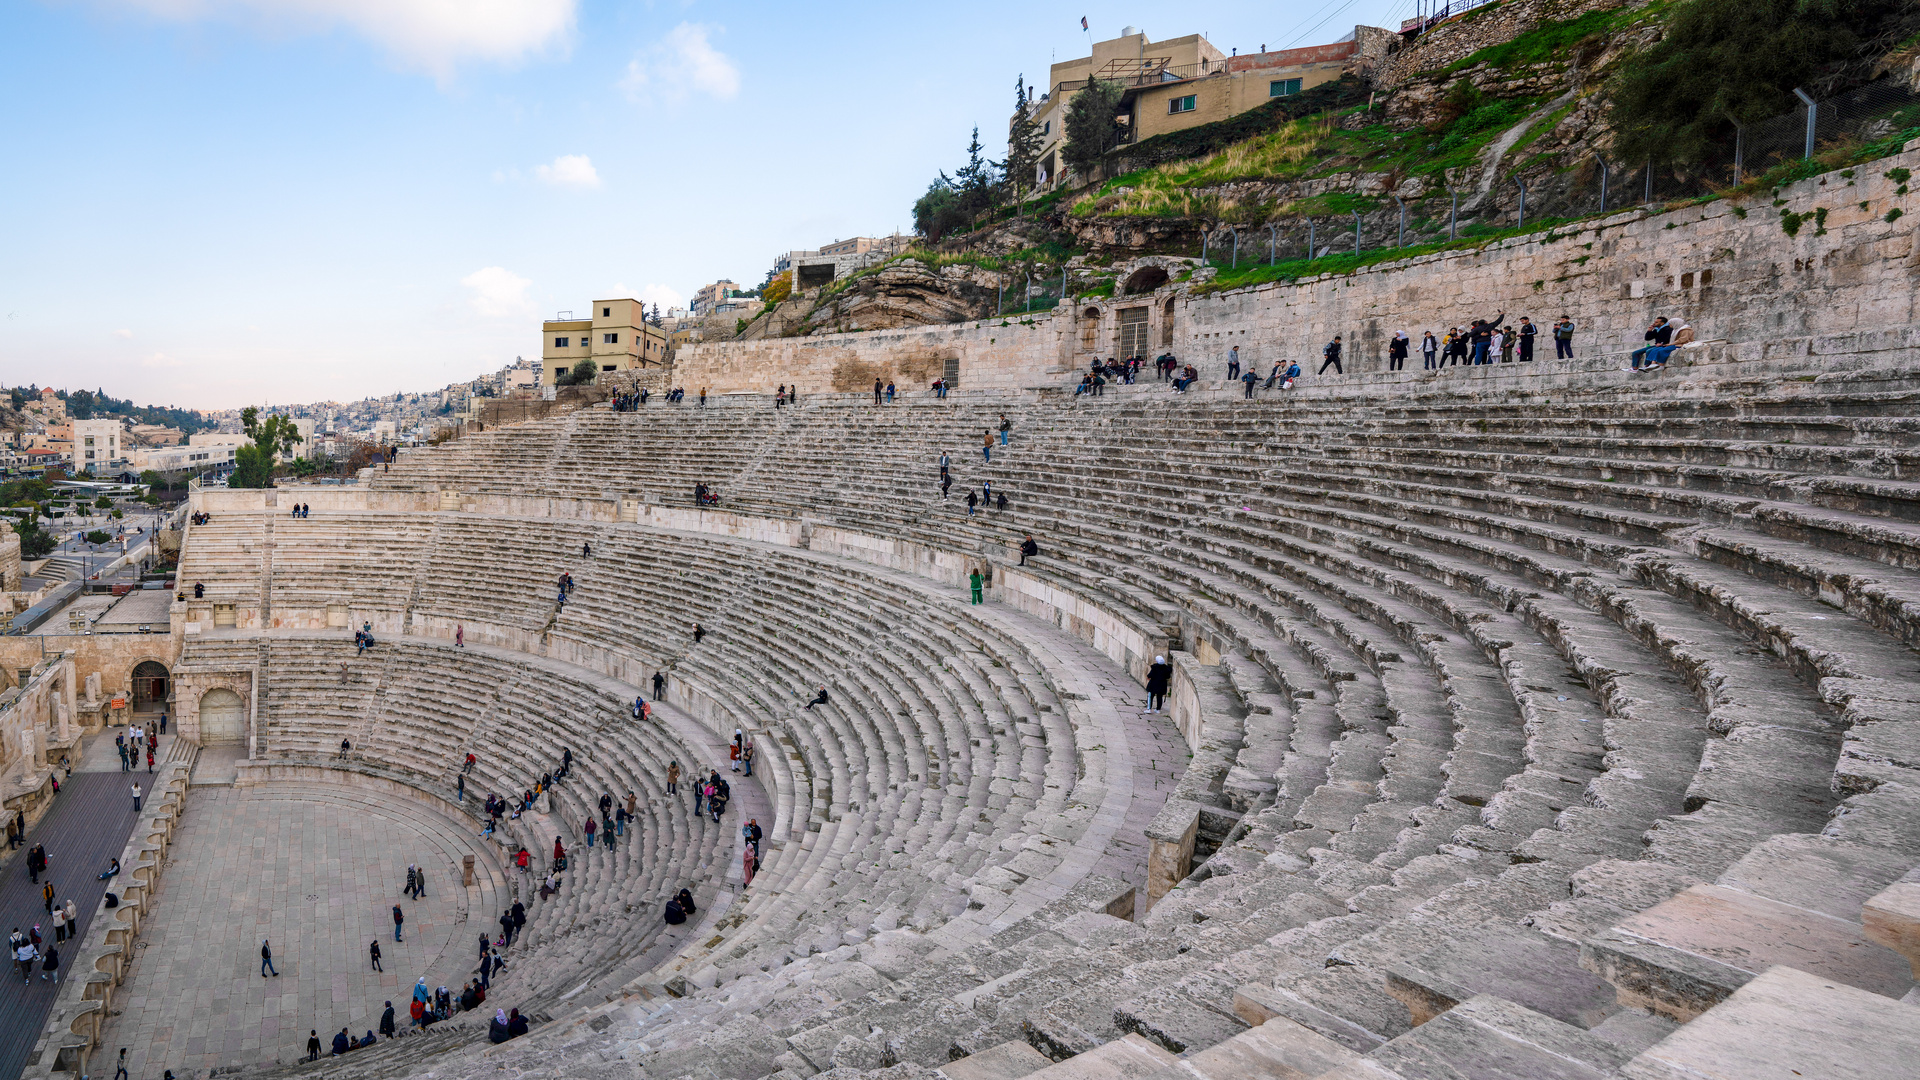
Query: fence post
1205, 235
1401, 239
1739, 151
1356, 234
1649, 197
1271, 244
1453, 217
1063, 284
1522, 223
1813, 114
1236, 248
1311, 245
1604, 171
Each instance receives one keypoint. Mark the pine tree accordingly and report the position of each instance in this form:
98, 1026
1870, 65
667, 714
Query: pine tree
1023, 143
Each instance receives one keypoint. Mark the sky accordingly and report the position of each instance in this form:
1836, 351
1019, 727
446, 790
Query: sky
215, 203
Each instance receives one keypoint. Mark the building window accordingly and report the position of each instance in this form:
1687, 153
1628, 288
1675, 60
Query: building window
609, 367
559, 343
610, 339
1180, 104
1283, 87
606, 313
559, 371
1046, 129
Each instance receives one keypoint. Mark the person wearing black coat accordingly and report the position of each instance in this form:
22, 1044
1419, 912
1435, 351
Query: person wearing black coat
686, 902
497, 1030
342, 1043
1028, 549
675, 913
1159, 676
516, 1025
386, 1021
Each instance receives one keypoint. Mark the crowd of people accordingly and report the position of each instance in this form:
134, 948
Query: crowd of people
635, 400
1480, 342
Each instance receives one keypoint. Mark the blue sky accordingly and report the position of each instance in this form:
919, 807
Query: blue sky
211, 203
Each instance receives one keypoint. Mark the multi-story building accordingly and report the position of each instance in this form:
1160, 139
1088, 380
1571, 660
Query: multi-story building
96, 447
615, 336
706, 296
817, 267
1180, 83
178, 459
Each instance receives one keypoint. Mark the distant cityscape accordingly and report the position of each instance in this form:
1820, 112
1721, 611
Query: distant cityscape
74, 432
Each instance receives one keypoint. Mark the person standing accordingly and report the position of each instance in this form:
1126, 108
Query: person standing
986, 447
972, 501
1528, 332
313, 1044
591, 828
266, 959
386, 1024
149, 757
1158, 678
1331, 350
1397, 351
50, 964
1248, 380
59, 924
1563, 339
1006, 426
519, 918
399, 919
673, 775
1233, 363
373, 953
46, 895
973, 580
136, 798
459, 635
73, 919
659, 686
1429, 352
121, 1072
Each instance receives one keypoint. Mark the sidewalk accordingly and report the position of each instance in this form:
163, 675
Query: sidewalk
86, 828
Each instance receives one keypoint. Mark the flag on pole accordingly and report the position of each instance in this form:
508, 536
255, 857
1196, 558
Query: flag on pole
1083, 22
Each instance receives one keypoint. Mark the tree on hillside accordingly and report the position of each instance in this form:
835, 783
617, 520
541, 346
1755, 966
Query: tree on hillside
953, 204
1023, 144
1093, 125
80, 405
1723, 62
253, 462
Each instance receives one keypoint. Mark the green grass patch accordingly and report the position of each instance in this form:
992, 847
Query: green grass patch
1552, 41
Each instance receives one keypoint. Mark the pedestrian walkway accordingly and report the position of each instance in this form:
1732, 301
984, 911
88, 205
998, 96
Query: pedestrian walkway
85, 829
315, 868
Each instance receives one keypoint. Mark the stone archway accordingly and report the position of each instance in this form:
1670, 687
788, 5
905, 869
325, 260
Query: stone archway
223, 718
150, 683
1145, 280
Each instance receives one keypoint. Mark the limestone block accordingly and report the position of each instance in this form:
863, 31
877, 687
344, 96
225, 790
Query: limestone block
1688, 954
1492, 1039
1121, 1059
1786, 1024
1008, 1061
1892, 918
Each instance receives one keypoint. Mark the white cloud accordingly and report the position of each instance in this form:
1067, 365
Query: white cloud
682, 63
497, 293
159, 360
665, 295
123, 333
429, 34
569, 170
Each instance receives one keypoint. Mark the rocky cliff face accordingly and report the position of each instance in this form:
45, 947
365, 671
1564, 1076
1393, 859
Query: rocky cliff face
900, 294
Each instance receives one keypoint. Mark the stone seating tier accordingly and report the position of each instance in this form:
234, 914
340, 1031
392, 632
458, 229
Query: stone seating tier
1497, 676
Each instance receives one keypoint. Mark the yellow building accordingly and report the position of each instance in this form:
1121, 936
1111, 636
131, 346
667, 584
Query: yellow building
1179, 83
615, 336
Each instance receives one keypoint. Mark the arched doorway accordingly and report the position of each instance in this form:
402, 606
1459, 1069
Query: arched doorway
1145, 280
1166, 326
223, 718
149, 686
1089, 328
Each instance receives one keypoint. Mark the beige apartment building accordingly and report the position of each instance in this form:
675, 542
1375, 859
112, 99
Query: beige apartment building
96, 446
707, 297
615, 336
1179, 83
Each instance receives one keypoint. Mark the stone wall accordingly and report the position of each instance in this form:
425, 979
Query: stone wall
1731, 270
1460, 38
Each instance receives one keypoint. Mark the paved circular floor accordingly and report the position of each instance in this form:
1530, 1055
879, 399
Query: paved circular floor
317, 870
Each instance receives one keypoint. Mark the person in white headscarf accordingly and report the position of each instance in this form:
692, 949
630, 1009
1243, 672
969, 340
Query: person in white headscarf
1159, 676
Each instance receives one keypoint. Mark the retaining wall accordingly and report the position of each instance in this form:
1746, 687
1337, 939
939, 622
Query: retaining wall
1733, 271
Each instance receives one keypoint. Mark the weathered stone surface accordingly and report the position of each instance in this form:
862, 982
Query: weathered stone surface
1007, 1061
1786, 1024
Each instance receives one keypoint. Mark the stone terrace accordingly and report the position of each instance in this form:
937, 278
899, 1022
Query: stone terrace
1532, 717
